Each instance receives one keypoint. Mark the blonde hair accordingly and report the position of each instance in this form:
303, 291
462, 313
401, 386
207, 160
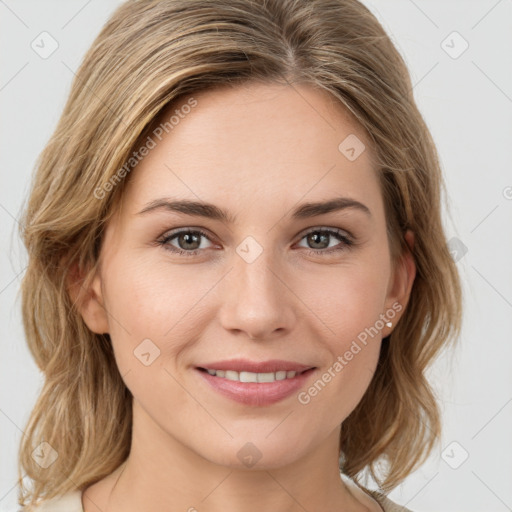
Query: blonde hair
149, 54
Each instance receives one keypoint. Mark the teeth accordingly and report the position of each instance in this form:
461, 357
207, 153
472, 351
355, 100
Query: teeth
253, 377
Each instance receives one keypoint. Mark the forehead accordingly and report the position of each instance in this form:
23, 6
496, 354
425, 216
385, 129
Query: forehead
256, 144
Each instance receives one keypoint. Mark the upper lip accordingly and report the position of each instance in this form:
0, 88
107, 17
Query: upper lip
245, 365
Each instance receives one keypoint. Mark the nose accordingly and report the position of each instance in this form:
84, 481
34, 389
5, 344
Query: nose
257, 300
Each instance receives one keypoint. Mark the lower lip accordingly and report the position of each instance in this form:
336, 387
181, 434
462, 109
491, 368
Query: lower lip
252, 393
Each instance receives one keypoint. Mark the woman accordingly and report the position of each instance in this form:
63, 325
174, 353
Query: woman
279, 358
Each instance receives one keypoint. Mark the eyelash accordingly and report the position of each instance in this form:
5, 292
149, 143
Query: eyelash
347, 242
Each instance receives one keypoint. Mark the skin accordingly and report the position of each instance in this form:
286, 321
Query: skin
258, 151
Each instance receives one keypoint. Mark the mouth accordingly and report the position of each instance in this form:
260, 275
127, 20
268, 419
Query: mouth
254, 377
255, 388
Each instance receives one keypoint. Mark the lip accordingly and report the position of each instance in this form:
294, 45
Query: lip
245, 365
252, 393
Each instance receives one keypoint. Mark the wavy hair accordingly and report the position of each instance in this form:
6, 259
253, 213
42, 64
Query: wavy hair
149, 54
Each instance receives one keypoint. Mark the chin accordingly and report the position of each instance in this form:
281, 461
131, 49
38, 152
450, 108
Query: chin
256, 454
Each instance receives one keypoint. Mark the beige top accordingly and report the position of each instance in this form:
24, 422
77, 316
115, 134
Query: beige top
72, 501
385, 503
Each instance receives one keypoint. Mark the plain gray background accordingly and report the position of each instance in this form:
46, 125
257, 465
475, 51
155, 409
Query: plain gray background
465, 95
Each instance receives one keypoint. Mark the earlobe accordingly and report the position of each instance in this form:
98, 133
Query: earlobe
403, 277
88, 299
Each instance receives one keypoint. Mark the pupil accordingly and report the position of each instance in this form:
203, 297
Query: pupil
314, 238
186, 237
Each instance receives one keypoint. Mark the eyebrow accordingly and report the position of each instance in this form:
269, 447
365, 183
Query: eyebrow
211, 211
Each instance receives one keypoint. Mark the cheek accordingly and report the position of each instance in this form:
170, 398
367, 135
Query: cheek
345, 300
353, 349
153, 309
148, 317
346, 305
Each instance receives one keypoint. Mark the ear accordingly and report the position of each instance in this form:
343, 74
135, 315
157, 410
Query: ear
88, 299
402, 280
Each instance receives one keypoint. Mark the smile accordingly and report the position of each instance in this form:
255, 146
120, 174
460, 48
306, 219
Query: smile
268, 388
253, 377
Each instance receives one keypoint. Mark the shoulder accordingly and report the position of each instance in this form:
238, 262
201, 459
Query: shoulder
379, 499
386, 504
69, 502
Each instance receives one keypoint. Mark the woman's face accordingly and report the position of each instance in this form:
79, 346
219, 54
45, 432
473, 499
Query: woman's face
276, 279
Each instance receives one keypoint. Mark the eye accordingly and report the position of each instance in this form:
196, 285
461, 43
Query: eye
188, 241
320, 238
